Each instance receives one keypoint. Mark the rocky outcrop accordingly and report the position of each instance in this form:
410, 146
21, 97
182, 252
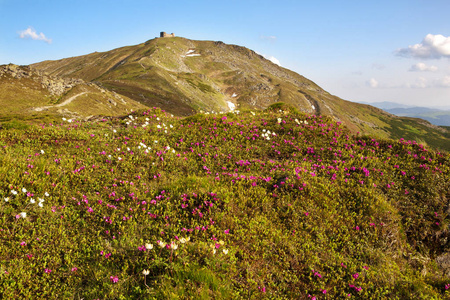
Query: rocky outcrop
55, 85
15, 71
443, 263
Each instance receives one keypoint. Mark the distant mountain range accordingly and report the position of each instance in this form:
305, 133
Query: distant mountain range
437, 116
185, 77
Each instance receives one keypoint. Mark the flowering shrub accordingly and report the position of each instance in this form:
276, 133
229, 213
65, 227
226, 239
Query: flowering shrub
274, 204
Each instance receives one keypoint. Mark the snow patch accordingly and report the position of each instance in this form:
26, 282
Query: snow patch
190, 53
231, 105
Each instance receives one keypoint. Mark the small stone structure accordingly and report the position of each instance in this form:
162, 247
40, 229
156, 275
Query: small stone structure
163, 34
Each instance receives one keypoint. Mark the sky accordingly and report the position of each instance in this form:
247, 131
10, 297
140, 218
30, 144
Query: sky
362, 51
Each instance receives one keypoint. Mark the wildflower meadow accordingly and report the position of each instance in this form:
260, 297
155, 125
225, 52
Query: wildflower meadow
244, 205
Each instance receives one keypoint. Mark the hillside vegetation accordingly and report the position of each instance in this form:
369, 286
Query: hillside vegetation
276, 204
31, 96
185, 77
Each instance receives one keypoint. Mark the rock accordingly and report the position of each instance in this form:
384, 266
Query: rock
443, 262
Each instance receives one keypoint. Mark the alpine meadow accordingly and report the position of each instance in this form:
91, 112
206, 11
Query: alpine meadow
183, 169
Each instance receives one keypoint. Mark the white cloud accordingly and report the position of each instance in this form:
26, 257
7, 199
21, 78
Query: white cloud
373, 83
31, 33
432, 46
378, 66
271, 58
421, 83
421, 67
271, 38
443, 82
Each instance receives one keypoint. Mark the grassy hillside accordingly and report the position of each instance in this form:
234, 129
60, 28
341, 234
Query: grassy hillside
184, 76
251, 205
27, 95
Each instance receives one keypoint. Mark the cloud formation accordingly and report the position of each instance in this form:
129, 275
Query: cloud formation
378, 66
271, 58
421, 67
432, 46
32, 34
444, 82
418, 83
421, 83
271, 38
373, 83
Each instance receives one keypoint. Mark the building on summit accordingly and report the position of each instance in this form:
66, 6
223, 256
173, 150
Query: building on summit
163, 34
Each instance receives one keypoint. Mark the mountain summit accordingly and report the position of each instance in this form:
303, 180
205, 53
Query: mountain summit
184, 77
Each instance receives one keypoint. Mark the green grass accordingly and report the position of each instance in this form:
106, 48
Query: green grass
311, 210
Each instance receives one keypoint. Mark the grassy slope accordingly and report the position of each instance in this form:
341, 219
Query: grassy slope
17, 96
158, 73
311, 211
20, 96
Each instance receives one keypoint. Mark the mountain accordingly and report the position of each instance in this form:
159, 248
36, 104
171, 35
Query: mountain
399, 111
386, 105
184, 76
439, 116
27, 93
434, 116
254, 204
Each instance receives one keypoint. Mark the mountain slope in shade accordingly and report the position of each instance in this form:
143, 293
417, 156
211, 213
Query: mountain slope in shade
185, 76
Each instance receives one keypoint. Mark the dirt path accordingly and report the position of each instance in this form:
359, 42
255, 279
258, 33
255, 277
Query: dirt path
65, 102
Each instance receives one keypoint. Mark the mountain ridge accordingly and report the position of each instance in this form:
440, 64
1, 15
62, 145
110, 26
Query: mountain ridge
434, 115
185, 77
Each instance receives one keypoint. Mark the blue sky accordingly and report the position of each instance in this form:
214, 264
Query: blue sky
369, 51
